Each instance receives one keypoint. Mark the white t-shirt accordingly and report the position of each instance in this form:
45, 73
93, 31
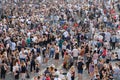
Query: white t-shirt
63, 47
57, 79
39, 59
68, 76
107, 36
57, 73
105, 19
100, 37
34, 39
15, 68
13, 46
66, 34
61, 76
21, 55
75, 52
28, 34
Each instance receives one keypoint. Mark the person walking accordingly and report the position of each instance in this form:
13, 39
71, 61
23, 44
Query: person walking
91, 69
75, 53
52, 51
56, 55
16, 70
113, 41
80, 66
72, 70
32, 63
3, 70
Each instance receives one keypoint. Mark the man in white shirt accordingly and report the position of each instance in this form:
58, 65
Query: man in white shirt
107, 36
39, 59
75, 52
66, 34
13, 46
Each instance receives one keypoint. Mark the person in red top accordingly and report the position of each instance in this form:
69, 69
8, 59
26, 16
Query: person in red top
75, 24
119, 27
112, 11
47, 77
104, 52
65, 26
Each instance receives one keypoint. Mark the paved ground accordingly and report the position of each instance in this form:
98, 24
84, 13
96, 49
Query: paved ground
85, 75
9, 75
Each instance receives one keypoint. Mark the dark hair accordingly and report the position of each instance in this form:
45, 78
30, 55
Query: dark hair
3, 61
104, 47
55, 69
38, 77
47, 68
95, 51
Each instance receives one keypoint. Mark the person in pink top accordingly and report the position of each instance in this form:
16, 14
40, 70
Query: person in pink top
104, 53
95, 57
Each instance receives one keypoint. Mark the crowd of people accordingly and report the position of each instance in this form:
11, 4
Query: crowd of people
84, 33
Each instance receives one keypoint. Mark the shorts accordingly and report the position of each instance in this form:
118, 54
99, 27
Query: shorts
80, 71
75, 58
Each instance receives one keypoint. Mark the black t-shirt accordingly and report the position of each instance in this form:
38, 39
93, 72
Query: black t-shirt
80, 65
23, 69
3, 71
17, 75
89, 59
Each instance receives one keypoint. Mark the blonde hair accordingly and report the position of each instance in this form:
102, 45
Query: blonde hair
23, 63
72, 68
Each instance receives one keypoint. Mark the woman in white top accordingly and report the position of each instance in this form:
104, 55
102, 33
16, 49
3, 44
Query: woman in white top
69, 75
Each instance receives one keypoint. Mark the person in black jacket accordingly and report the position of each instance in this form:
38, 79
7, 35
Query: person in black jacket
89, 59
3, 70
32, 64
80, 65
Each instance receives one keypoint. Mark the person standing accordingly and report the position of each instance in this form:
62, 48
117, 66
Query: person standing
104, 53
47, 55
23, 70
56, 55
3, 70
88, 61
66, 59
72, 69
16, 70
80, 66
32, 63
95, 57
82, 52
52, 51
75, 52
69, 75
113, 41
91, 69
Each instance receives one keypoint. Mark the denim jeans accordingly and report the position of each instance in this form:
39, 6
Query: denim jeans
51, 53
